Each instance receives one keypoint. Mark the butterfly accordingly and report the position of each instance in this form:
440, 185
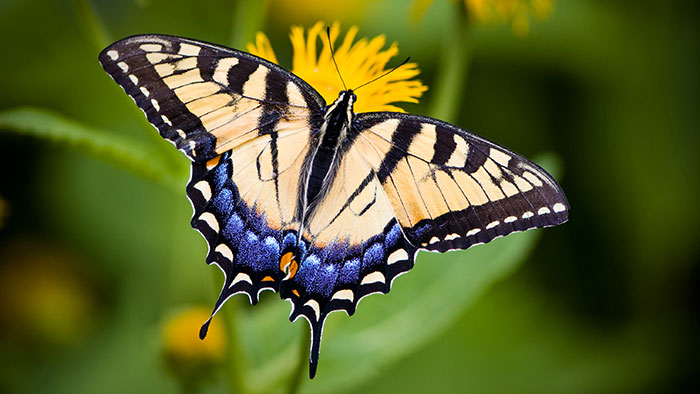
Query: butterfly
309, 199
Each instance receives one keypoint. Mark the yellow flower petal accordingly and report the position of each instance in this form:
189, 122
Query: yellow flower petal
359, 62
262, 48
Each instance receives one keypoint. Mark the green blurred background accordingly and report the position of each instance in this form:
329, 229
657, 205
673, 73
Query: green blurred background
97, 257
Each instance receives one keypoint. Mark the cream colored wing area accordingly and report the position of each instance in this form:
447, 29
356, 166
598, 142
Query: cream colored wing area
416, 189
232, 118
266, 172
355, 207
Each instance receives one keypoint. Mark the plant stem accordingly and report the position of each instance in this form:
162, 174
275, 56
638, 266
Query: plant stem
91, 23
248, 17
453, 70
296, 378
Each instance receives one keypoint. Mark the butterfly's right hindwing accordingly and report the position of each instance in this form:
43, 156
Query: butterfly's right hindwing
204, 98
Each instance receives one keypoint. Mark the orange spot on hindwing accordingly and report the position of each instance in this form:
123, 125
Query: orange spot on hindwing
268, 279
288, 265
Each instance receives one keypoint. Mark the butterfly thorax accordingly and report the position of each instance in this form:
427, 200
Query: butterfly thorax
324, 158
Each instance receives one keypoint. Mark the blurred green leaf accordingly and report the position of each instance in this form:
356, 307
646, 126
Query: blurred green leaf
119, 150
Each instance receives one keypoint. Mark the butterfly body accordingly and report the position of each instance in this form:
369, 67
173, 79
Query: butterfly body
313, 201
324, 157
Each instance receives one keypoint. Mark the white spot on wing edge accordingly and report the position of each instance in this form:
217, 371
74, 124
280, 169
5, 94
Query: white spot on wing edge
241, 277
144, 91
210, 220
134, 79
345, 294
528, 214
559, 207
113, 54
397, 256
204, 188
510, 219
492, 224
434, 240
473, 231
374, 277
543, 211
123, 66
155, 104
450, 237
315, 306
225, 251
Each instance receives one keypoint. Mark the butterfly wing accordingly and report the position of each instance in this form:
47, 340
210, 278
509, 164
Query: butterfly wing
246, 124
206, 99
451, 189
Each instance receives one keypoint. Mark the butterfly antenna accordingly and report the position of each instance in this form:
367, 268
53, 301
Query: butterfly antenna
385, 74
328, 33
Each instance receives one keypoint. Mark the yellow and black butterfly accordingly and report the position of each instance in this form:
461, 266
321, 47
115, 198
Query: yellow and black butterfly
311, 200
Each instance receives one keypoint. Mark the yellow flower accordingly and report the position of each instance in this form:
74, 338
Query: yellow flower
358, 62
515, 12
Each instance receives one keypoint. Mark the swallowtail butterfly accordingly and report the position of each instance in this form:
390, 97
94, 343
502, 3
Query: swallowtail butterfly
314, 201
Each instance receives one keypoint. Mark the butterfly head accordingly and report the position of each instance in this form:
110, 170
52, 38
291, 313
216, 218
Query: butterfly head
341, 111
346, 99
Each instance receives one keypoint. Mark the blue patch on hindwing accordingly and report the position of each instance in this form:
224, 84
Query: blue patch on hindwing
344, 265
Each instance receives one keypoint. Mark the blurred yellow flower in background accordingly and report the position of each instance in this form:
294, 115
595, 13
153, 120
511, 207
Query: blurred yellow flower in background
181, 336
47, 299
515, 12
358, 62
188, 358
